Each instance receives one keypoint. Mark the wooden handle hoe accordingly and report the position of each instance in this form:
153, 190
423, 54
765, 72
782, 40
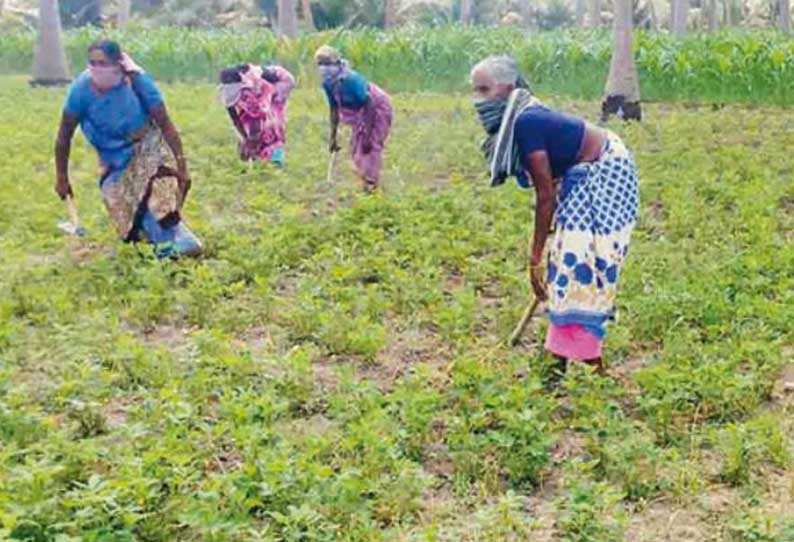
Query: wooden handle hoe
331, 178
529, 312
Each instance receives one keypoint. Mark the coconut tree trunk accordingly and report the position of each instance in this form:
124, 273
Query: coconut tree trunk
654, 18
390, 10
622, 93
287, 18
784, 12
580, 12
524, 8
124, 13
680, 15
712, 19
308, 18
49, 60
594, 13
672, 15
465, 12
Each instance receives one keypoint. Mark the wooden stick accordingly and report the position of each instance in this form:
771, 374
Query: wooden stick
529, 312
72, 212
331, 178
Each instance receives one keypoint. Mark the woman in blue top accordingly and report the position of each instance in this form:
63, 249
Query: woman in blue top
364, 106
122, 114
583, 173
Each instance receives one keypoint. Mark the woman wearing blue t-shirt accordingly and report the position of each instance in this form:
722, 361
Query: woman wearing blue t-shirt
362, 105
595, 201
122, 114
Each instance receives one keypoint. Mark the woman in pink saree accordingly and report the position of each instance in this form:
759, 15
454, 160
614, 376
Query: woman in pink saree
256, 100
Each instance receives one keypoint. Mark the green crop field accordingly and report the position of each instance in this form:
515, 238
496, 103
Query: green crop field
336, 374
733, 66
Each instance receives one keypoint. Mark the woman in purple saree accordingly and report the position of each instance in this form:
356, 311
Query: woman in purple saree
362, 105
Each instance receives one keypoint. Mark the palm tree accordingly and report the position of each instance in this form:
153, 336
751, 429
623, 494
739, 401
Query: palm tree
308, 18
124, 13
525, 10
390, 13
622, 93
727, 12
679, 16
580, 12
287, 18
465, 12
49, 60
594, 20
711, 15
784, 10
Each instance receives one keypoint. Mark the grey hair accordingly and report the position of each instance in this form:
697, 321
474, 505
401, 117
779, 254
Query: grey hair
503, 68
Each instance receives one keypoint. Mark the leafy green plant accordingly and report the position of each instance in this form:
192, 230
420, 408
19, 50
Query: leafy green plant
89, 419
753, 527
747, 447
589, 512
499, 426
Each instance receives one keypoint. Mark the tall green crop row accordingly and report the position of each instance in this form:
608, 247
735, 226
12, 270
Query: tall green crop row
735, 66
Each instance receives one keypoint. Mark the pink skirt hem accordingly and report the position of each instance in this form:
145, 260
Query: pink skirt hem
573, 342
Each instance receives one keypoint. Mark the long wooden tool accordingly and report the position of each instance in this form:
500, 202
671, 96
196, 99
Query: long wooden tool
518, 332
331, 177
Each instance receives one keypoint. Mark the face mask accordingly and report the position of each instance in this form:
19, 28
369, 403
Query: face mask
105, 77
329, 72
490, 113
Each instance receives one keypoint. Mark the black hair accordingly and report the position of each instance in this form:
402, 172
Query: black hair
233, 75
521, 82
111, 49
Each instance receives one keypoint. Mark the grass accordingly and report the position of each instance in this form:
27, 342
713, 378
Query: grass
329, 375
728, 66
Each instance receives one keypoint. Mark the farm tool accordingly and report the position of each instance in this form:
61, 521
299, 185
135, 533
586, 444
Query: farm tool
529, 312
72, 226
331, 177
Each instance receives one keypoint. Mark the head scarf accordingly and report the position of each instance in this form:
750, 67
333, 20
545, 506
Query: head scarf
234, 80
129, 65
331, 65
327, 54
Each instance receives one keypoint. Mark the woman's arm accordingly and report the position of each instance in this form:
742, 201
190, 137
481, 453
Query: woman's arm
63, 146
542, 180
174, 141
281, 79
238, 124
